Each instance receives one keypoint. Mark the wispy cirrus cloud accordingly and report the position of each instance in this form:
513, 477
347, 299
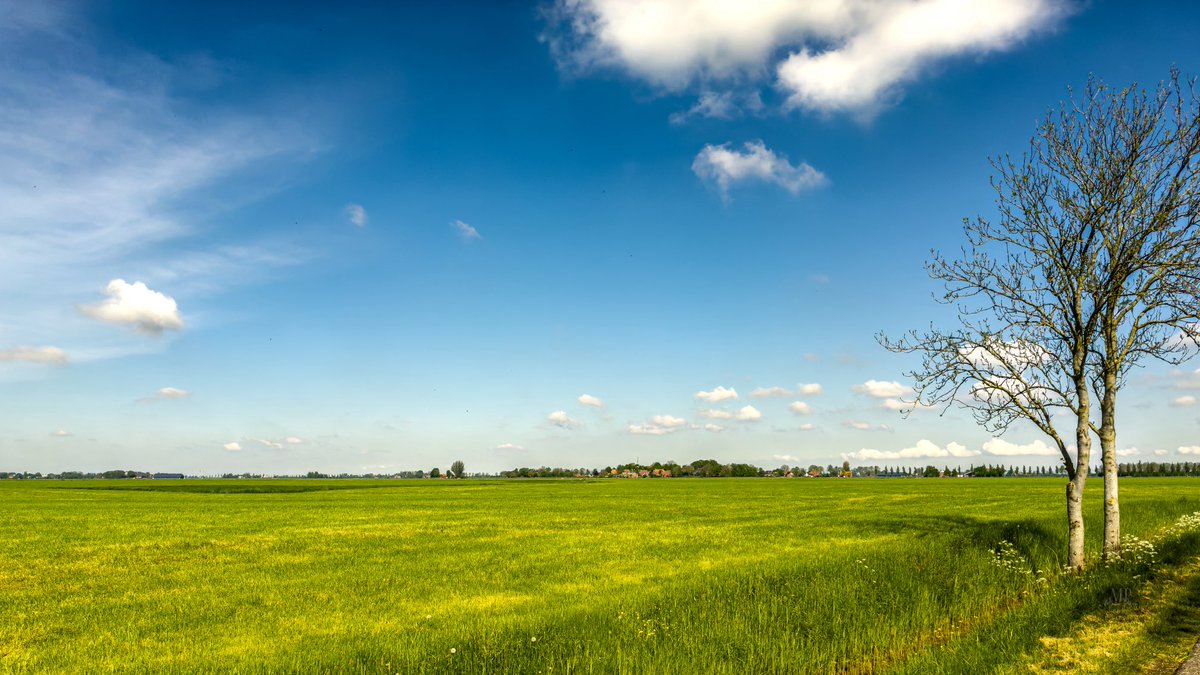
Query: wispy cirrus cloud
356, 214
467, 232
106, 173
42, 355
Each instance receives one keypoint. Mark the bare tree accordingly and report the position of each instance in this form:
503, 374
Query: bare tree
1093, 264
1138, 155
1028, 317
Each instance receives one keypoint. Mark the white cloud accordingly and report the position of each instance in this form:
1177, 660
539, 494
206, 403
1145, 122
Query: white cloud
786, 458
924, 449
1002, 448
748, 414
560, 419
717, 414
725, 166
897, 43
764, 392
881, 389
293, 440
1188, 450
807, 426
811, 389
270, 444
172, 392
357, 214
840, 54
658, 425
41, 355
1128, 452
136, 305
857, 424
509, 446
800, 408
1183, 401
62, 433
717, 395
467, 232
715, 428
1161, 453
589, 400
233, 446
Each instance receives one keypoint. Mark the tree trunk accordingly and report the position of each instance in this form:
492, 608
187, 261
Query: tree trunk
1075, 558
1083, 458
1108, 449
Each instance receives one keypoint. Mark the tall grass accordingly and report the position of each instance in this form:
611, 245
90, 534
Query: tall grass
720, 576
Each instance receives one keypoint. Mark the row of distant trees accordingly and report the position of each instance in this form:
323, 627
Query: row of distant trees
710, 468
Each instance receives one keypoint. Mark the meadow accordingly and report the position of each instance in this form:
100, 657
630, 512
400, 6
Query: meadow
549, 576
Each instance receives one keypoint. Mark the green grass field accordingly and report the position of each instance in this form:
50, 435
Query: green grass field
650, 576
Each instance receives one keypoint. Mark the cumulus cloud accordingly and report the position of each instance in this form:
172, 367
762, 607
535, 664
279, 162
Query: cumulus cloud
717, 414
658, 425
293, 440
1183, 401
1188, 450
270, 444
807, 426
357, 214
922, 450
233, 446
724, 166
748, 414
715, 428
172, 392
467, 232
786, 458
898, 43
42, 355
560, 419
881, 389
826, 55
1128, 452
1161, 453
136, 305
589, 400
62, 433
857, 424
800, 408
811, 389
765, 392
509, 446
1002, 448
717, 395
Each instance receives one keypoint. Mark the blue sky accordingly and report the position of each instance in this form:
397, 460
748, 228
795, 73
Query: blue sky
290, 237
